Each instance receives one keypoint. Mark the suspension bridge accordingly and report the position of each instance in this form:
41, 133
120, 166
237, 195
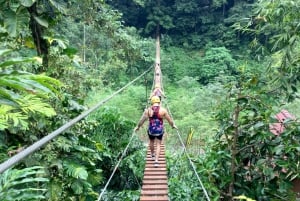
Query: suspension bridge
155, 180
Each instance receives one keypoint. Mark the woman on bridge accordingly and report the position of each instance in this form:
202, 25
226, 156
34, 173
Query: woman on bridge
155, 114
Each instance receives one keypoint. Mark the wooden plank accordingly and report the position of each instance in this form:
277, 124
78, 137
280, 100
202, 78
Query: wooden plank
155, 181
155, 173
151, 168
155, 187
154, 192
156, 177
154, 198
160, 162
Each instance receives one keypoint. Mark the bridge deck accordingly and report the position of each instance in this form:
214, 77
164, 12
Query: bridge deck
155, 182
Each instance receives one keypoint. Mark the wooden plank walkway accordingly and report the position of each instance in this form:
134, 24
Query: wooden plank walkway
155, 182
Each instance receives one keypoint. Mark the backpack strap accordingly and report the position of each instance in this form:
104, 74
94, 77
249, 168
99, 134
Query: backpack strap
155, 110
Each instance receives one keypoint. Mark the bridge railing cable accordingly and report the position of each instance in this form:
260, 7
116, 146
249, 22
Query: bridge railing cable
116, 167
32, 148
189, 158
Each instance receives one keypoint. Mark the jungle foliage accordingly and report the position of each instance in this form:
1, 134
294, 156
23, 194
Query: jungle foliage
228, 67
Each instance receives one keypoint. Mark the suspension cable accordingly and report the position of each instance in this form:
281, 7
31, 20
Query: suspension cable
115, 169
32, 148
189, 158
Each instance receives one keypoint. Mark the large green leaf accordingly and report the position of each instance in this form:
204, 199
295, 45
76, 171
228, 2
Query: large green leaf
15, 84
14, 20
60, 6
27, 82
4, 51
76, 170
10, 22
16, 61
42, 21
25, 94
14, 5
22, 184
6, 96
27, 3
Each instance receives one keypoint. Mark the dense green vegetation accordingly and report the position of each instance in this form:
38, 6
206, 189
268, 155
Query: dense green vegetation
228, 67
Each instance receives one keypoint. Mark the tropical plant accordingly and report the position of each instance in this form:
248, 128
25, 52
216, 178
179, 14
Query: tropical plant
275, 32
182, 182
23, 93
114, 132
24, 184
39, 15
251, 157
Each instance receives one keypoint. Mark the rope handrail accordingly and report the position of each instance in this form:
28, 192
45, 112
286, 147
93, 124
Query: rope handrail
115, 169
189, 158
35, 146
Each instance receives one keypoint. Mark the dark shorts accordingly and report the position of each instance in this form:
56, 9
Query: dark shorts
158, 136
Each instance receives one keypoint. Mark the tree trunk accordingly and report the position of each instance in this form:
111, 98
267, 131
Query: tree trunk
234, 150
41, 44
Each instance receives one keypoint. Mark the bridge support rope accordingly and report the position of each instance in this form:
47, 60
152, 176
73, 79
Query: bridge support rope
190, 161
32, 148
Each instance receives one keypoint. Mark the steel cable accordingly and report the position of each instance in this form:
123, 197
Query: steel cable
189, 158
115, 169
32, 148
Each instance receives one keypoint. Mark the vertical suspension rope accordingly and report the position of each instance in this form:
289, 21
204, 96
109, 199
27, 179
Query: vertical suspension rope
190, 160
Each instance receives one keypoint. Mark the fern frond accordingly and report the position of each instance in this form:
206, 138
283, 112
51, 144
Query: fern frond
76, 170
22, 184
9, 117
34, 104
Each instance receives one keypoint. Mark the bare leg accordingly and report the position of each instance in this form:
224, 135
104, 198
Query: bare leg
152, 146
158, 142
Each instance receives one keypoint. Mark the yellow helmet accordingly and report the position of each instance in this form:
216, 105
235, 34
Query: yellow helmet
155, 99
157, 86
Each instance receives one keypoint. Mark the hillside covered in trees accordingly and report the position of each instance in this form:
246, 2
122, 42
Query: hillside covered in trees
229, 66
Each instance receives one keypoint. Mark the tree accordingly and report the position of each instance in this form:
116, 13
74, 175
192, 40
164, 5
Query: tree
251, 157
275, 32
38, 15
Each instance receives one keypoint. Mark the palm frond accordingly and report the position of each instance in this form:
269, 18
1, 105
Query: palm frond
7, 97
4, 51
46, 81
23, 81
16, 61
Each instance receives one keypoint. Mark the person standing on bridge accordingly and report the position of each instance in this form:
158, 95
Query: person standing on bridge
157, 92
155, 114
